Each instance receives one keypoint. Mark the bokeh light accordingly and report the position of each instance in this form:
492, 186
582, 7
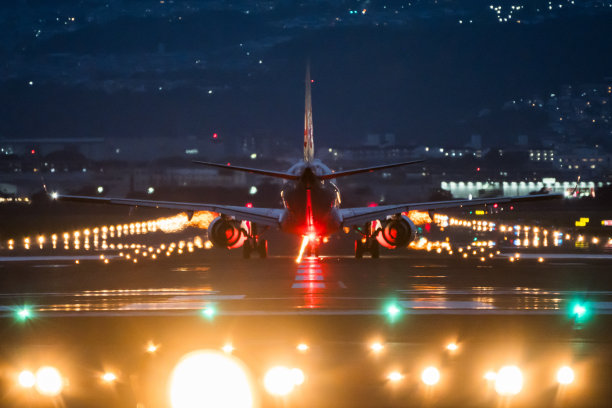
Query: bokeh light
509, 381
430, 376
210, 379
49, 381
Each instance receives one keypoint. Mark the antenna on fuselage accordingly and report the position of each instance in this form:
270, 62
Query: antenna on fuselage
308, 140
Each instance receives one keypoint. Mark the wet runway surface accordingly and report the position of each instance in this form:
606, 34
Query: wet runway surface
92, 316
330, 285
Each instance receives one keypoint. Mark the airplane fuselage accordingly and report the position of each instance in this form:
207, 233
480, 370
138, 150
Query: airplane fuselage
311, 203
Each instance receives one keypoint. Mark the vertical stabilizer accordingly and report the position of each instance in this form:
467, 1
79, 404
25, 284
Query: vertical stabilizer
308, 141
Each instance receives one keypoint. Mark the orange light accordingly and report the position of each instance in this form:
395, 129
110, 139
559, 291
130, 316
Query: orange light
305, 240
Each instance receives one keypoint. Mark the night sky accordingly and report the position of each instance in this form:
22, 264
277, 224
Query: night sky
421, 69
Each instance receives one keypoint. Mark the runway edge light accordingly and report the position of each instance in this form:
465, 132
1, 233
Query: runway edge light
209, 312
24, 313
580, 311
393, 310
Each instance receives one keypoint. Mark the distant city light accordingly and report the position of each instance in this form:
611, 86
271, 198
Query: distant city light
302, 347
452, 346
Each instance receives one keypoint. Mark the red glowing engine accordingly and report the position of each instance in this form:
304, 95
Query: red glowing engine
226, 233
396, 232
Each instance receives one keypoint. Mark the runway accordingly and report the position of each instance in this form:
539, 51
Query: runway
105, 311
331, 285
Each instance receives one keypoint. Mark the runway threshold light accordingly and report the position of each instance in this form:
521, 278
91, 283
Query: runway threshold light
395, 376
280, 381
26, 379
49, 381
376, 347
152, 348
565, 375
452, 347
109, 377
508, 381
210, 378
430, 376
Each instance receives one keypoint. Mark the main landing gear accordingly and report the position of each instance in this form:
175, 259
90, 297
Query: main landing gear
370, 245
255, 244
367, 244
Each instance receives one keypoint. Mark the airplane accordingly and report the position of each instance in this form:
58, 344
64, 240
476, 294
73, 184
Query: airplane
311, 207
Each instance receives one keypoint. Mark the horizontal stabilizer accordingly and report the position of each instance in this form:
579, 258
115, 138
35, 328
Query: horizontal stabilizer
366, 170
276, 174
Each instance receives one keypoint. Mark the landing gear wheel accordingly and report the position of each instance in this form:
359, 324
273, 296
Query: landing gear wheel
359, 249
247, 248
262, 248
374, 249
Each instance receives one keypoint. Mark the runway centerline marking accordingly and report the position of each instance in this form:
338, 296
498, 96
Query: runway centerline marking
309, 274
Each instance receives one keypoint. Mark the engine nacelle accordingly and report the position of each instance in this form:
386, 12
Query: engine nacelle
224, 233
396, 232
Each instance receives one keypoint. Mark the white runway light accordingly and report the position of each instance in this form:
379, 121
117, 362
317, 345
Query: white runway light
210, 379
49, 381
430, 376
509, 381
280, 381
26, 379
565, 375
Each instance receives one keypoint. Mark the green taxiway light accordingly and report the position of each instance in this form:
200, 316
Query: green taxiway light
579, 310
24, 313
208, 312
393, 311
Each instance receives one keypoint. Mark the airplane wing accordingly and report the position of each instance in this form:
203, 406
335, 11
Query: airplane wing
366, 170
261, 216
360, 215
270, 173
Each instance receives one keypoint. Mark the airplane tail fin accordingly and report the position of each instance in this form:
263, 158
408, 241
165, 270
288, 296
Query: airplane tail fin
308, 139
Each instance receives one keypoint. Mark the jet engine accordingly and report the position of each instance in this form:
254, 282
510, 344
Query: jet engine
225, 233
396, 232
